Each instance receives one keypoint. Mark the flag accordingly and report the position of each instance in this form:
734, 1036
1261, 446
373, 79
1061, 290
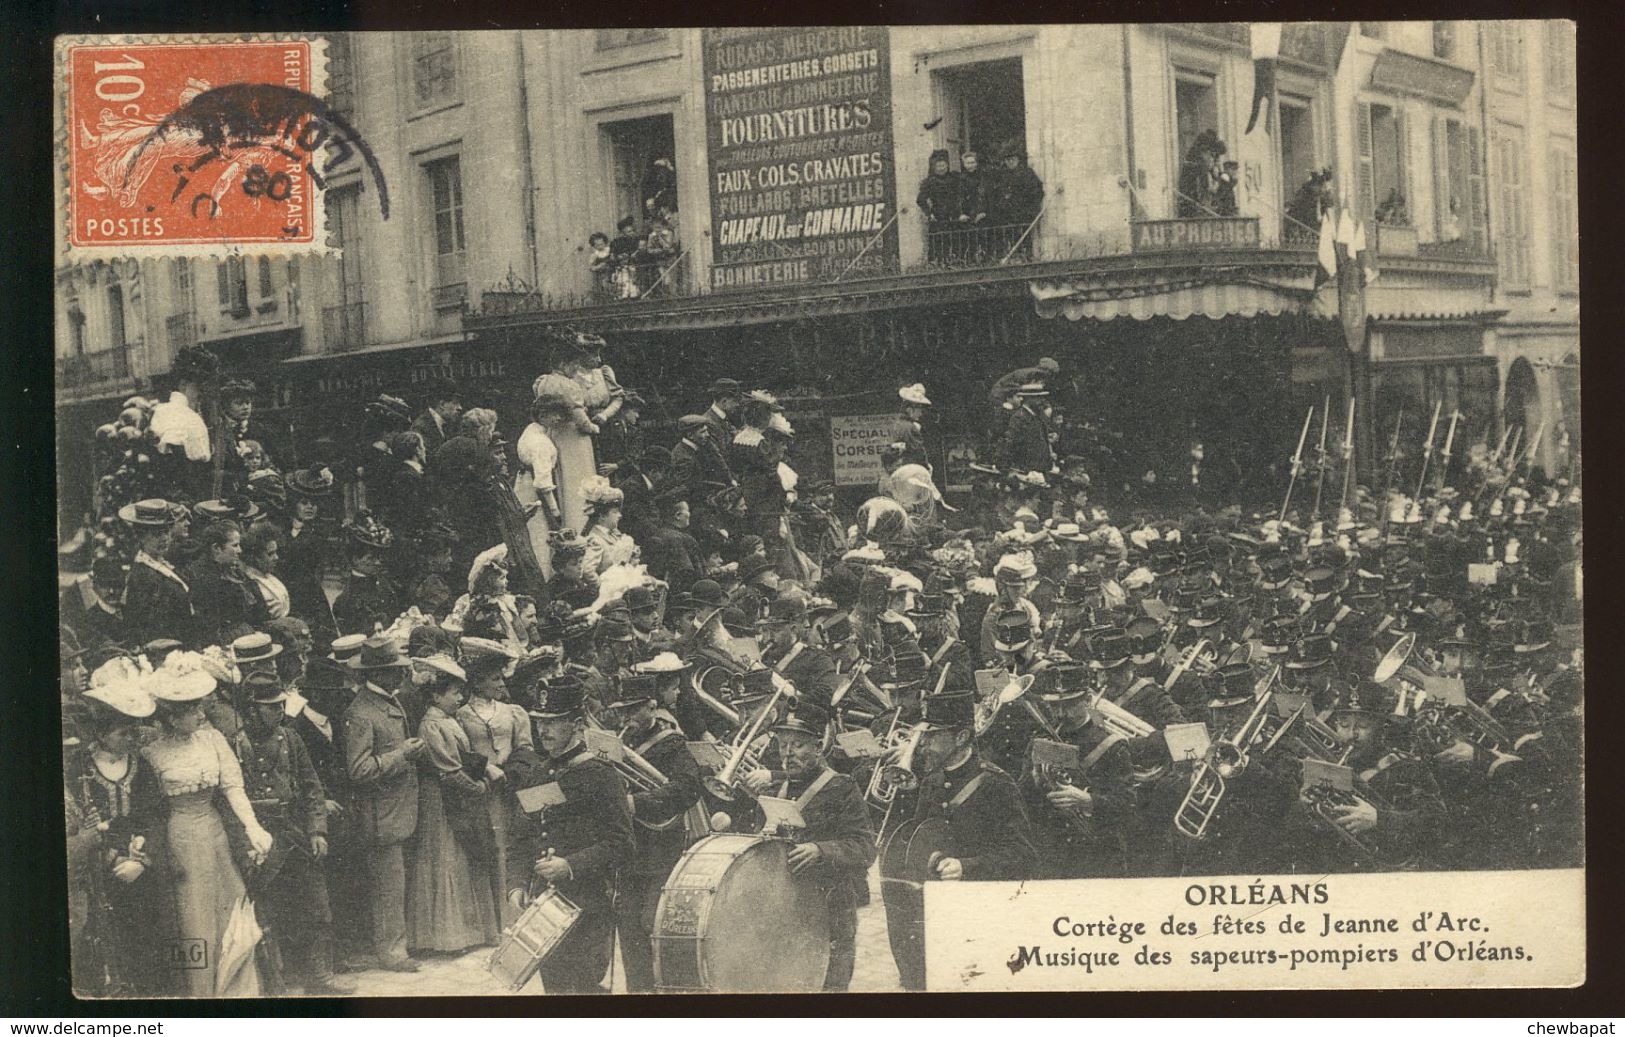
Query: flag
1265, 42
1357, 251
1327, 251
1349, 256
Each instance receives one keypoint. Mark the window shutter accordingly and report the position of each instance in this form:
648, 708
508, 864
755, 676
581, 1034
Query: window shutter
267, 289
223, 282
1367, 185
1476, 202
1441, 175
1402, 129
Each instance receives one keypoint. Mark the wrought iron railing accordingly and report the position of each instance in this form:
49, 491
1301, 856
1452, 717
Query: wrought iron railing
108, 365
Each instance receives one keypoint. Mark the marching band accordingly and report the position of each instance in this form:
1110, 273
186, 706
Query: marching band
704, 767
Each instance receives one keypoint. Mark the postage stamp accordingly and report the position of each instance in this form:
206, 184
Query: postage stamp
202, 147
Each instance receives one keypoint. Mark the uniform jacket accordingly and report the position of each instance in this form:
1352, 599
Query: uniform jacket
281, 781
591, 830
383, 782
811, 670
988, 829
666, 750
1069, 847
838, 824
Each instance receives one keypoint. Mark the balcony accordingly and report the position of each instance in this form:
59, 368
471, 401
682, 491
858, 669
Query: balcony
89, 369
181, 331
344, 327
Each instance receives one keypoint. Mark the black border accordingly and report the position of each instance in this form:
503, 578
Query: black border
33, 938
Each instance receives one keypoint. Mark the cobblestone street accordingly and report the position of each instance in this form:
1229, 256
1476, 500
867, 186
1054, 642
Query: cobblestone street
464, 975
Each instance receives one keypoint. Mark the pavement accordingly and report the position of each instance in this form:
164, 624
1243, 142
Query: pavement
464, 975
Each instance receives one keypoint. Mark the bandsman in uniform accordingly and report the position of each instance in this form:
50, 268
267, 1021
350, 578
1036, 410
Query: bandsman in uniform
660, 830
838, 844
288, 798
1080, 818
571, 829
939, 639
990, 838
785, 649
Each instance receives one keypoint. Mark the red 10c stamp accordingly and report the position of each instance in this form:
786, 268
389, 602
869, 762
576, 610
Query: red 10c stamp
200, 147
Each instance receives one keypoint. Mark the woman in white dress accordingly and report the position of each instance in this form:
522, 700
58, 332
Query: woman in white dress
572, 438
197, 771
606, 544
536, 481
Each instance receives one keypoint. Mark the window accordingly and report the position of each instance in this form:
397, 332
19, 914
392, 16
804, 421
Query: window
232, 281
267, 287
1297, 155
1565, 221
633, 146
610, 39
1444, 40
446, 198
1559, 61
434, 69
1506, 53
984, 107
1513, 225
341, 74
343, 208
1196, 108
115, 318
180, 273
1458, 185
1384, 165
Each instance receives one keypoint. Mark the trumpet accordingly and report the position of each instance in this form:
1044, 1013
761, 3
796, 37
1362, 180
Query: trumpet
1225, 758
728, 783
1322, 799
1198, 657
888, 779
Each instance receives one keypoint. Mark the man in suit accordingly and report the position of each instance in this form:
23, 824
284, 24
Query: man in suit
157, 599
661, 833
91, 605
571, 829
383, 776
1025, 446
838, 844
438, 422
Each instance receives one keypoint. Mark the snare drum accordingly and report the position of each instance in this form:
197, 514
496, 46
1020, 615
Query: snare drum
732, 919
534, 935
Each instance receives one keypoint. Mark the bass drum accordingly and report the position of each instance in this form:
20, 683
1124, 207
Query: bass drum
906, 861
733, 920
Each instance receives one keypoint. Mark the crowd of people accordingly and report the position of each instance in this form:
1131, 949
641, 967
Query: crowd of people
979, 214
352, 715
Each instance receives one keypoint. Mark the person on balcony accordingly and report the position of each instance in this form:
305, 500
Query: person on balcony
623, 253
1393, 211
938, 199
602, 264
659, 252
1224, 193
1314, 197
660, 188
1198, 175
1017, 197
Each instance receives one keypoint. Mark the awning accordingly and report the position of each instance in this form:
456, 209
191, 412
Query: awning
1238, 296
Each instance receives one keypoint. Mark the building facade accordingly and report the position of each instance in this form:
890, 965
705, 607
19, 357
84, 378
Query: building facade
505, 152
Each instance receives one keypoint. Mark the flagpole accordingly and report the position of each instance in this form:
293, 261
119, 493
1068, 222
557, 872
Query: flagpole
1297, 463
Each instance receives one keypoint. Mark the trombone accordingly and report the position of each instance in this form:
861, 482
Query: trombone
863, 701
1225, 758
741, 759
639, 774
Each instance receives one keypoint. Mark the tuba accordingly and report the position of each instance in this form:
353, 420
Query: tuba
1225, 758
705, 682
899, 775
1322, 799
988, 710
858, 701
